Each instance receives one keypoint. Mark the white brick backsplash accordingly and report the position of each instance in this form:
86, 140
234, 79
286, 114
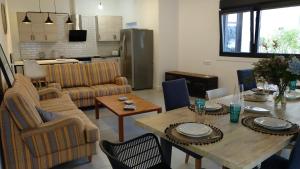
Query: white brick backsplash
70, 49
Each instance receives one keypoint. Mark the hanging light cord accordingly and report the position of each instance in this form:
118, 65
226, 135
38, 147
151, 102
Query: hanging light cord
54, 2
40, 6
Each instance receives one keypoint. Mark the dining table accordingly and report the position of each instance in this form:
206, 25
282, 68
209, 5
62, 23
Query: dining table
240, 147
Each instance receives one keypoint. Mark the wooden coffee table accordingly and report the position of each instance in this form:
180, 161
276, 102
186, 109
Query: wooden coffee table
116, 106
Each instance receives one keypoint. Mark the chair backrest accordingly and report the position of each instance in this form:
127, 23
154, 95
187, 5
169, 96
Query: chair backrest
176, 94
294, 161
33, 70
216, 93
141, 152
247, 79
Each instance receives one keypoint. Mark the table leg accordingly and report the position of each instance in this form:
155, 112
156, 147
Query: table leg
97, 109
159, 110
121, 129
166, 147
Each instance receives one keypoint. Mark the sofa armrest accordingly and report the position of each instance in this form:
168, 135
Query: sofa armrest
49, 93
121, 81
54, 136
55, 85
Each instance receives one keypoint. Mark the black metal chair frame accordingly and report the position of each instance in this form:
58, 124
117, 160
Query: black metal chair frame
107, 147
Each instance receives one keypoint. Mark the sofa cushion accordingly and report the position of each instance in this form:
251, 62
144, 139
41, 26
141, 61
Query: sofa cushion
68, 75
102, 72
21, 109
27, 85
91, 130
111, 89
78, 93
47, 116
58, 104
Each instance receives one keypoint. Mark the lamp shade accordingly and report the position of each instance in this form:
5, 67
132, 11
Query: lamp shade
69, 21
48, 20
26, 20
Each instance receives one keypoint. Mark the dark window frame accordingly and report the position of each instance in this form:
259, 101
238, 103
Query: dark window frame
254, 33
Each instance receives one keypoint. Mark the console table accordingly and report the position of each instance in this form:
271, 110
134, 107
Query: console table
197, 84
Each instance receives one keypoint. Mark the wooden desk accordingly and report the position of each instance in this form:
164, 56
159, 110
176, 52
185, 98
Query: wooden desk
117, 107
197, 84
241, 147
45, 62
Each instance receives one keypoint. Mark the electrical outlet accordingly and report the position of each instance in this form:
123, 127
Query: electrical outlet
207, 62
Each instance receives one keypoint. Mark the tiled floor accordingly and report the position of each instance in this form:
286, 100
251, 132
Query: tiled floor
109, 131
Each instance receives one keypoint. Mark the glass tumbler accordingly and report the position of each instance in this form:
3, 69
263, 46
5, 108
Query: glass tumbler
235, 110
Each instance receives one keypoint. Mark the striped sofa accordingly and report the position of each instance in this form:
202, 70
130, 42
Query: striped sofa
29, 142
84, 82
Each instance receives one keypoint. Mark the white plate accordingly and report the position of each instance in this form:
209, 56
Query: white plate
212, 107
253, 109
292, 95
194, 129
128, 102
123, 98
272, 123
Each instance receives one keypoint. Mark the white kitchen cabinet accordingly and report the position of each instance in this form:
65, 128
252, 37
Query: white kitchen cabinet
37, 31
109, 28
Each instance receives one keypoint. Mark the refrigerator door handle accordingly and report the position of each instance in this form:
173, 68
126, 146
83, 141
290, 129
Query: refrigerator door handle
123, 54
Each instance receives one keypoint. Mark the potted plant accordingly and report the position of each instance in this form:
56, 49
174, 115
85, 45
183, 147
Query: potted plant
278, 70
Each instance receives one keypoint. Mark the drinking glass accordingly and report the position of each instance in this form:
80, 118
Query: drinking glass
235, 110
199, 108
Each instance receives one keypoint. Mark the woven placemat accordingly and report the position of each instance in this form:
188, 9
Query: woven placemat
249, 122
178, 138
222, 111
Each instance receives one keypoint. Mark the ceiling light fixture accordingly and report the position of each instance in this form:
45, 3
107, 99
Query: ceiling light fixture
69, 21
26, 20
48, 20
100, 6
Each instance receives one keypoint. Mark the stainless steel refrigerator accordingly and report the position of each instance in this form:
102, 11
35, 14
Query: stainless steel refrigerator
137, 57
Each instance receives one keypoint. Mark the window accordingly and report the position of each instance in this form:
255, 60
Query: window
260, 33
280, 31
236, 29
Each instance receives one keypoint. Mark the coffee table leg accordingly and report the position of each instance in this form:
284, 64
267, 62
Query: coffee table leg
97, 109
121, 129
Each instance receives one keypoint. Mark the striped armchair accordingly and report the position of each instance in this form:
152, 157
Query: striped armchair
84, 82
29, 142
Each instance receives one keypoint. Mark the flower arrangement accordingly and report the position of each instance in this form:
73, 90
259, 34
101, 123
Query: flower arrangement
278, 70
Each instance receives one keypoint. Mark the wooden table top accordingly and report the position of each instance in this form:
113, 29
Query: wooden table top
117, 107
241, 147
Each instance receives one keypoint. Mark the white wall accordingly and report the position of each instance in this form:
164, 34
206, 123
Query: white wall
198, 43
5, 42
168, 38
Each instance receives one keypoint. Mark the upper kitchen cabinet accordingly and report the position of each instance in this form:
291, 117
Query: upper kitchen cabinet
37, 31
109, 28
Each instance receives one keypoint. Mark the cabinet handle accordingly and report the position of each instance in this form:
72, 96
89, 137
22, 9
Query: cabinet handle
33, 37
115, 36
46, 38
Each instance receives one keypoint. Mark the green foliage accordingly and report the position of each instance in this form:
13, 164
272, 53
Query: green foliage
274, 70
284, 41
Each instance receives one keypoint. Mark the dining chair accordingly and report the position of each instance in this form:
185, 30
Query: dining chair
216, 93
176, 95
247, 79
141, 152
34, 71
277, 162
